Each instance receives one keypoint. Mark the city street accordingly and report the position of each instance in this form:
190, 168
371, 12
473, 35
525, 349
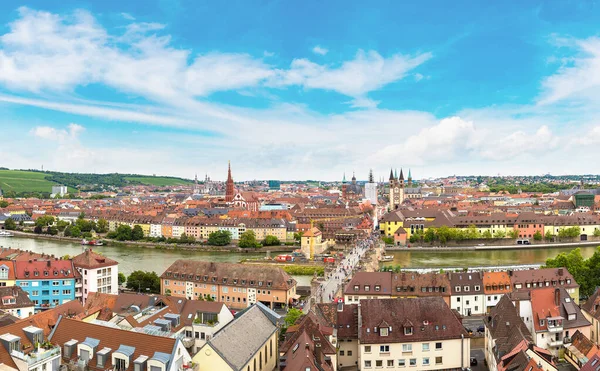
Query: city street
328, 289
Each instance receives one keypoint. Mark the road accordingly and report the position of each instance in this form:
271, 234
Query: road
327, 291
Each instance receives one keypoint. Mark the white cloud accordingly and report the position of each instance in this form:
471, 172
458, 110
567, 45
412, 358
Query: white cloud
577, 79
60, 135
319, 50
128, 16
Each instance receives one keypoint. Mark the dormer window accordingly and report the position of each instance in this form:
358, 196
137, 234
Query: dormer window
377, 288
383, 331
367, 288
243, 282
175, 275
235, 281
214, 279
168, 274
268, 284
251, 282
45, 273
408, 331
260, 283
224, 280
466, 288
356, 287
36, 273
568, 281
457, 289
541, 322
8, 300
205, 278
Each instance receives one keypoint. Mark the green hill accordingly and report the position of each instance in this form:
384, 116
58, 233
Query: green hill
25, 182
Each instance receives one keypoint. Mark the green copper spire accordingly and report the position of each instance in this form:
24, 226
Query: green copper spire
344, 180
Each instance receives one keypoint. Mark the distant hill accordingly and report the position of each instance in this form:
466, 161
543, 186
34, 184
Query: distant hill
24, 182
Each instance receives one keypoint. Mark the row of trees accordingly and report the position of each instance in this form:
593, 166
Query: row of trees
247, 240
444, 234
586, 272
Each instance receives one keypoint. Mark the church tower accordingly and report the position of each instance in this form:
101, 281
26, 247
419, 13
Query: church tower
396, 190
410, 184
344, 187
196, 188
371, 190
229, 185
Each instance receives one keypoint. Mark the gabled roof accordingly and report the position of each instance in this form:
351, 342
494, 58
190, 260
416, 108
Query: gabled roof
92, 260
242, 338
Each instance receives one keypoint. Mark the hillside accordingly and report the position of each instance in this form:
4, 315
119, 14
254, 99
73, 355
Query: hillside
23, 182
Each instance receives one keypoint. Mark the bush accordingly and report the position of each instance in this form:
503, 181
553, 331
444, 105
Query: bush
271, 241
219, 238
248, 240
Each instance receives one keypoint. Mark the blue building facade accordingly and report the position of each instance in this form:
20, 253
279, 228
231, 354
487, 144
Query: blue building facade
48, 283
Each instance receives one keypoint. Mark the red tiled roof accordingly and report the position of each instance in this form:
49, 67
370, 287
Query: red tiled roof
92, 260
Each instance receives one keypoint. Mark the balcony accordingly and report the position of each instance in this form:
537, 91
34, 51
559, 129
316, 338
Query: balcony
198, 322
39, 356
555, 328
78, 284
552, 342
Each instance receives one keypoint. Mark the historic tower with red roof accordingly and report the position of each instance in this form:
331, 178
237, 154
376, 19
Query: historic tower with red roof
229, 188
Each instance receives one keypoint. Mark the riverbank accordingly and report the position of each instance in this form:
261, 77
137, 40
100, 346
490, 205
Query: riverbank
494, 247
154, 245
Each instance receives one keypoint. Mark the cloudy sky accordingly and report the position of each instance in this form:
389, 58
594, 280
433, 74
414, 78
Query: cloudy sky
300, 89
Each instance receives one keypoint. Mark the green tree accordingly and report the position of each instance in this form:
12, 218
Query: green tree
44, 221
142, 281
514, 233
121, 278
271, 241
3, 204
549, 236
102, 226
137, 233
429, 235
74, 231
472, 233
298, 236
292, 316
51, 230
61, 225
184, 238
574, 262
248, 240
596, 232
124, 233
537, 236
500, 234
38, 229
10, 224
388, 240
219, 238
487, 234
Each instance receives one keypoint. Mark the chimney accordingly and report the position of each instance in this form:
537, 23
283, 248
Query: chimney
560, 271
318, 354
557, 297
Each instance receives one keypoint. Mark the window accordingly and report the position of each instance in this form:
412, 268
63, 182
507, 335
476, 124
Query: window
379, 363
412, 362
457, 289
341, 352
349, 353
466, 288
367, 349
401, 362
425, 347
384, 349
390, 363
406, 348
367, 287
3, 273
55, 283
35, 293
477, 288
458, 300
66, 292
377, 288
425, 361
408, 331
367, 364
438, 360
438, 346
55, 292
356, 288
383, 331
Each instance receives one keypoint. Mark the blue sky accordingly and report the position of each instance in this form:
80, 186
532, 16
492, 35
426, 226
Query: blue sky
300, 89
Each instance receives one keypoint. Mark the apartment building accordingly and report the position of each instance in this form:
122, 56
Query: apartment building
248, 343
237, 285
48, 282
98, 273
195, 322
371, 285
422, 333
532, 279
97, 347
555, 317
16, 302
467, 293
18, 350
508, 343
495, 285
340, 320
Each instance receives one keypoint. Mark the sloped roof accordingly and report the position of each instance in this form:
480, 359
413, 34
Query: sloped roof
242, 338
92, 260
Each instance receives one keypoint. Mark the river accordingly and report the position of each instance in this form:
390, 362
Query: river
414, 258
134, 258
